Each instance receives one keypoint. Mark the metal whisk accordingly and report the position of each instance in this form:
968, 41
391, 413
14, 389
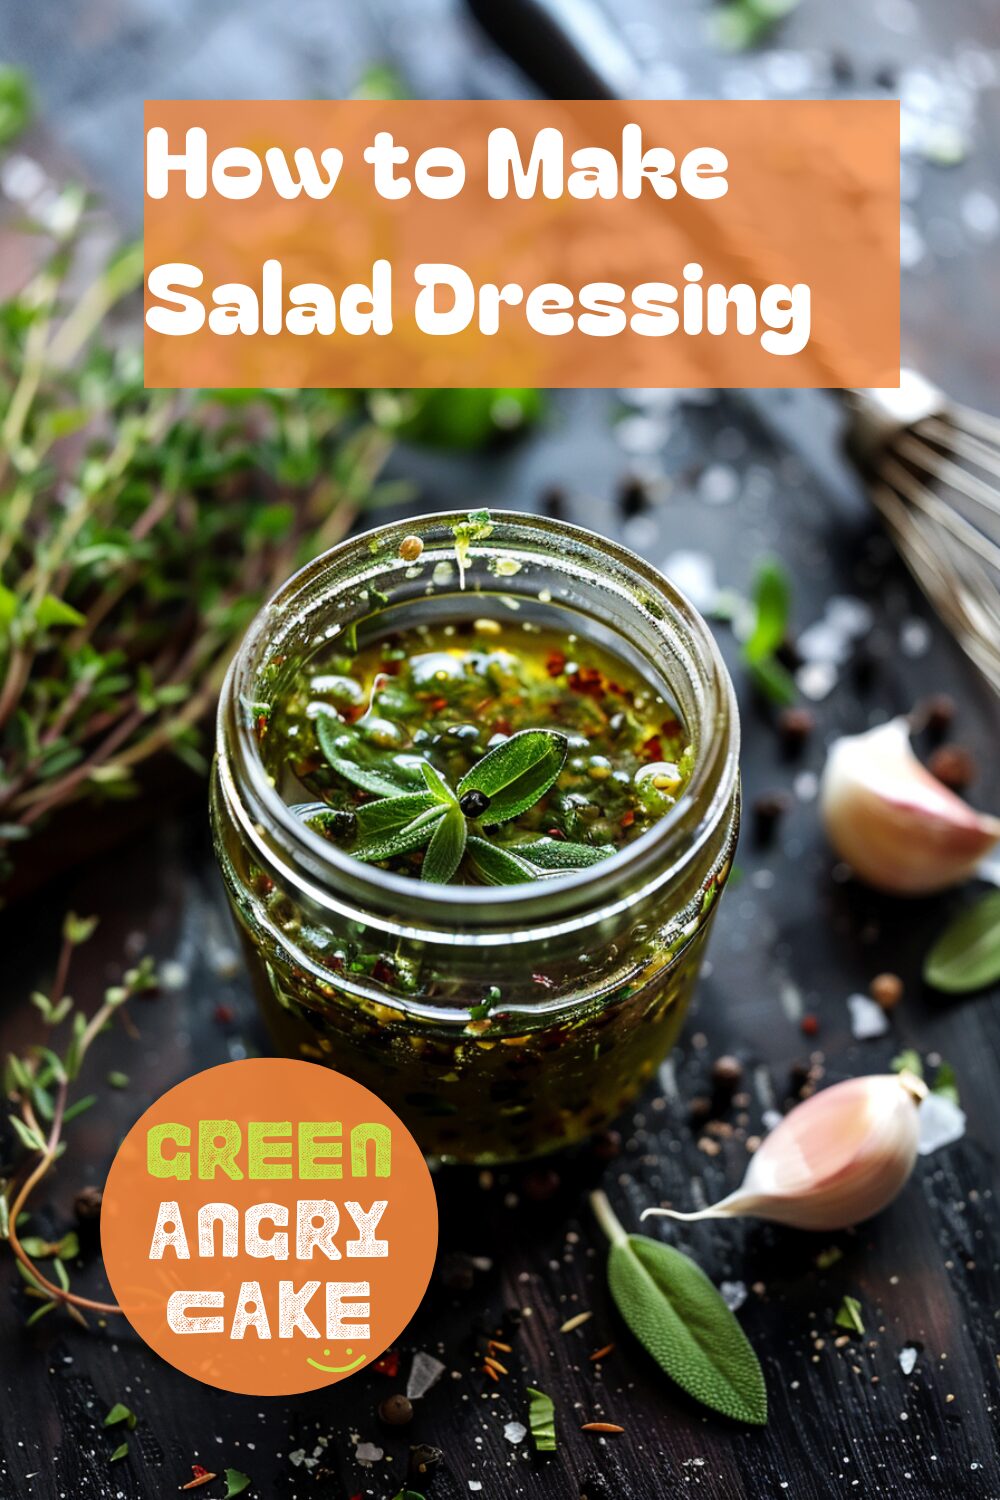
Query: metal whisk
934, 471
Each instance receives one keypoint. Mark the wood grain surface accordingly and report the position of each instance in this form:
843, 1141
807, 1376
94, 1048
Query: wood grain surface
793, 938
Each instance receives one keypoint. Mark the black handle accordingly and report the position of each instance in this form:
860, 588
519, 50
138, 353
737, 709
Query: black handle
570, 49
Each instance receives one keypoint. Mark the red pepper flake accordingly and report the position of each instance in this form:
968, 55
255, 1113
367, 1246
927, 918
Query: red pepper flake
809, 1025
388, 1364
588, 681
555, 833
652, 748
224, 1015
261, 726
628, 818
544, 981
501, 726
555, 663
383, 972
671, 727
437, 704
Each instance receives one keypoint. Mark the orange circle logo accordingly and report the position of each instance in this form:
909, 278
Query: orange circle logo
269, 1226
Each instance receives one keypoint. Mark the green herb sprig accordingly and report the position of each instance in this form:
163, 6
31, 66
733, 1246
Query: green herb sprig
37, 1087
681, 1319
450, 824
771, 602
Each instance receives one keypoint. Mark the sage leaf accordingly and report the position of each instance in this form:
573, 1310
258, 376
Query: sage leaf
385, 779
541, 1420
967, 955
436, 784
562, 854
515, 774
495, 865
681, 1319
390, 814
413, 836
447, 845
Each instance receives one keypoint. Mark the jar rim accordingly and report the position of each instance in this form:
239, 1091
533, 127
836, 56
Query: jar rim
334, 878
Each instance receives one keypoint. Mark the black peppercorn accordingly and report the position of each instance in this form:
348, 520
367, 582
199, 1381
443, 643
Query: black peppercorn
87, 1204
474, 803
768, 809
727, 1074
395, 1411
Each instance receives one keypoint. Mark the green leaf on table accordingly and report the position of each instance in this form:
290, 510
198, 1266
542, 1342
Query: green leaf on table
772, 602
946, 1084
236, 1483
542, 1421
562, 854
967, 954
413, 836
120, 1413
681, 1319
516, 773
447, 845
849, 1315
390, 814
495, 865
908, 1061
120, 1452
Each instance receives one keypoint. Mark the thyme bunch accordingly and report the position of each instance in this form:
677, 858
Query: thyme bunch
139, 532
37, 1087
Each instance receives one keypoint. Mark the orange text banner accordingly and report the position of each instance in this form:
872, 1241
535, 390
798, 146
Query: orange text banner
513, 243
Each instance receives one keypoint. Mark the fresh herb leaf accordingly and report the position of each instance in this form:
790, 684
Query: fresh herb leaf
390, 814
562, 854
447, 845
681, 1319
120, 1413
16, 106
480, 1012
383, 780
117, 1080
967, 954
772, 602
413, 836
515, 774
236, 1483
120, 1452
495, 865
436, 784
849, 1315
541, 1420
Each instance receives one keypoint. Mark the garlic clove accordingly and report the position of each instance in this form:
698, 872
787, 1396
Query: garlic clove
893, 822
835, 1159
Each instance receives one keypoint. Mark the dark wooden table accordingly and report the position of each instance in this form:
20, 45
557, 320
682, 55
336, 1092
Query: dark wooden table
791, 940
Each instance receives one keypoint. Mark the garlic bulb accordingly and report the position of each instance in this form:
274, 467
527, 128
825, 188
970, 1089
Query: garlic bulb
893, 822
835, 1159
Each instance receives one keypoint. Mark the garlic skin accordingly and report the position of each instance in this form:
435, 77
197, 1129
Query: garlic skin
835, 1159
894, 823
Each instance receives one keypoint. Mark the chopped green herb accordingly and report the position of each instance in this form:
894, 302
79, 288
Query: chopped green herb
236, 1483
118, 1080
120, 1452
849, 1315
120, 1413
542, 1421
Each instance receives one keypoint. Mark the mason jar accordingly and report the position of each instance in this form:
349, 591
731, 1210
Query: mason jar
498, 1023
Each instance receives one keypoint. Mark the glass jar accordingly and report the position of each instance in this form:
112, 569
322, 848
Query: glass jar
499, 1023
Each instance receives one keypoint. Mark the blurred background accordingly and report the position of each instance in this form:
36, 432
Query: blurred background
706, 485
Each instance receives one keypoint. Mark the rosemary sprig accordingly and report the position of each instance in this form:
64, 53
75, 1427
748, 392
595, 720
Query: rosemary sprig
37, 1087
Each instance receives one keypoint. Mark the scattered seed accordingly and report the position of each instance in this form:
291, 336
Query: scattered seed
601, 1427
410, 548
576, 1322
494, 1364
599, 1354
886, 990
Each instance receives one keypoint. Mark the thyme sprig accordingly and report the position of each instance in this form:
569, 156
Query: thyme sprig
452, 824
37, 1087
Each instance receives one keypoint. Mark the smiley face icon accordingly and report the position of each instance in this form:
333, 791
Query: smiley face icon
337, 1369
